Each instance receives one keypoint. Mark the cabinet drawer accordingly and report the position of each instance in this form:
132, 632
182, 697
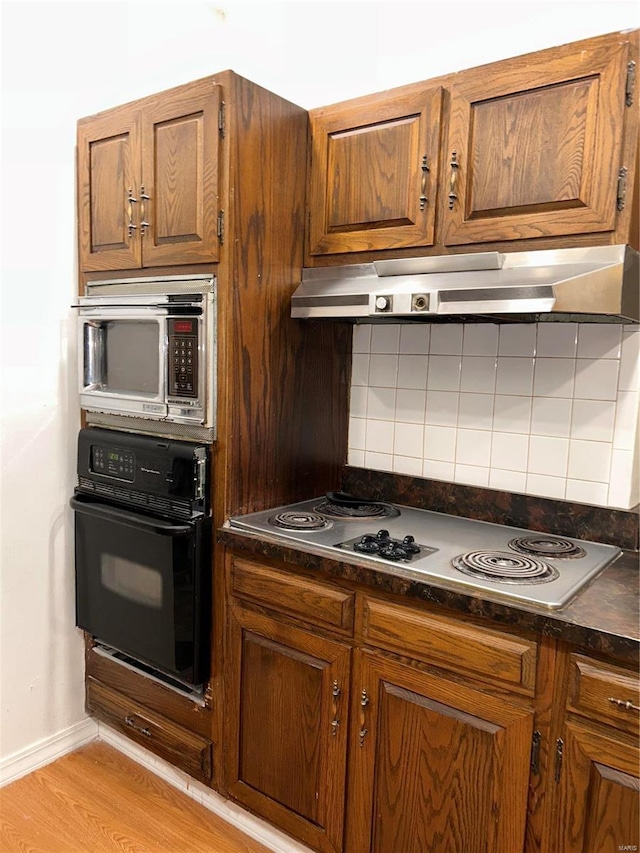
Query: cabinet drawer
592, 687
451, 644
306, 599
168, 740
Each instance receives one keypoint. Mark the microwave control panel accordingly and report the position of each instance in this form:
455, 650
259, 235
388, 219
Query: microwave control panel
113, 462
183, 357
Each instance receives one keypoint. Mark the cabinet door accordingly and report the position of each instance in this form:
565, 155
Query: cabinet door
434, 765
599, 793
534, 148
108, 184
374, 173
288, 702
179, 190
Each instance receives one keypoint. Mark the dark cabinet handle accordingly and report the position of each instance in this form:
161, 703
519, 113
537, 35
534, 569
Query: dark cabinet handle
143, 730
452, 180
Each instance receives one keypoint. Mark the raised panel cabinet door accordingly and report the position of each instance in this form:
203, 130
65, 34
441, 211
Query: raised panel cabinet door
374, 174
534, 148
288, 705
179, 183
599, 792
434, 765
108, 173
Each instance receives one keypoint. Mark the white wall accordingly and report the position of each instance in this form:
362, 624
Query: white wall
65, 60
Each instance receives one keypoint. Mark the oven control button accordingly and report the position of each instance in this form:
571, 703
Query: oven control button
382, 535
393, 551
409, 544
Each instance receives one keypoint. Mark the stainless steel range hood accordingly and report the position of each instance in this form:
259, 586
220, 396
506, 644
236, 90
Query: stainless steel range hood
598, 284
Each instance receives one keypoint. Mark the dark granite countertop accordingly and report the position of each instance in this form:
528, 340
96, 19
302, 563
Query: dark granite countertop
603, 618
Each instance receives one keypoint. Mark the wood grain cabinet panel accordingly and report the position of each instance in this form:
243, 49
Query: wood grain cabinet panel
287, 707
490, 656
433, 765
598, 793
374, 174
151, 730
108, 181
148, 181
594, 776
300, 597
535, 144
605, 693
180, 176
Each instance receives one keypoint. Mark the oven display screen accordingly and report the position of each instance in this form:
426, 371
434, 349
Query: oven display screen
113, 462
183, 326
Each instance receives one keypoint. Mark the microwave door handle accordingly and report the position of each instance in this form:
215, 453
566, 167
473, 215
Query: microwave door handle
130, 519
93, 346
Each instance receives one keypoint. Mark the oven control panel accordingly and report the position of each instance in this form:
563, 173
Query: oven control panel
183, 357
113, 462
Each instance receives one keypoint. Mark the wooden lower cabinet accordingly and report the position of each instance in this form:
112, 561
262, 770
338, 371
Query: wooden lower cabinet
598, 792
287, 706
434, 765
597, 760
185, 749
361, 724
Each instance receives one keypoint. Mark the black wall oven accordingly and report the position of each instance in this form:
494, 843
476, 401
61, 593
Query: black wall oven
143, 551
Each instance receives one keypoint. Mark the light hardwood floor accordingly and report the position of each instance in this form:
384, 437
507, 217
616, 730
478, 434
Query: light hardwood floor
96, 800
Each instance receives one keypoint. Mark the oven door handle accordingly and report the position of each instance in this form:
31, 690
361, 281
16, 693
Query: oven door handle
130, 519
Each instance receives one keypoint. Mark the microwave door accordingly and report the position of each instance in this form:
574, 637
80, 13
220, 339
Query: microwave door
123, 354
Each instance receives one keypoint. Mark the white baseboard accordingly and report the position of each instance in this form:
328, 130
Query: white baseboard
47, 750
252, 826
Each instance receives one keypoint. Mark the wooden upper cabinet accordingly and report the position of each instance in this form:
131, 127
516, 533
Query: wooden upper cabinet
535, 145
108, 180
374, 173
180, 176
148, 181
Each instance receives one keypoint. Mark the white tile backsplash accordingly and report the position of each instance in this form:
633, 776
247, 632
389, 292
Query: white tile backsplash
446, 339
514, 375
475, 411
517, 339
597, 379
548, 409
599, 340
557, 340
415, 338
480, 339
478, 374
554, 377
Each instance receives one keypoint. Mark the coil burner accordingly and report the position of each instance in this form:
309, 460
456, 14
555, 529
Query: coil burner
361, 511
504, 567
551, 547
299, 521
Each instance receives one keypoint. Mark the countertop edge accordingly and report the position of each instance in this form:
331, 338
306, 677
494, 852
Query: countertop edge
579, 623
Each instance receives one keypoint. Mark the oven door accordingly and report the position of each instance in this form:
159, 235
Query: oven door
142, 586
123, 357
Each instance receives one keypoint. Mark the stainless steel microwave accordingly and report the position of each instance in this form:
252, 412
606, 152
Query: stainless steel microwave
146, 351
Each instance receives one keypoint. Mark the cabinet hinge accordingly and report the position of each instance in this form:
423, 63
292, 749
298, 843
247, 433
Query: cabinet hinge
630, 84
221, 227
621, 191
559, 756
222, 119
